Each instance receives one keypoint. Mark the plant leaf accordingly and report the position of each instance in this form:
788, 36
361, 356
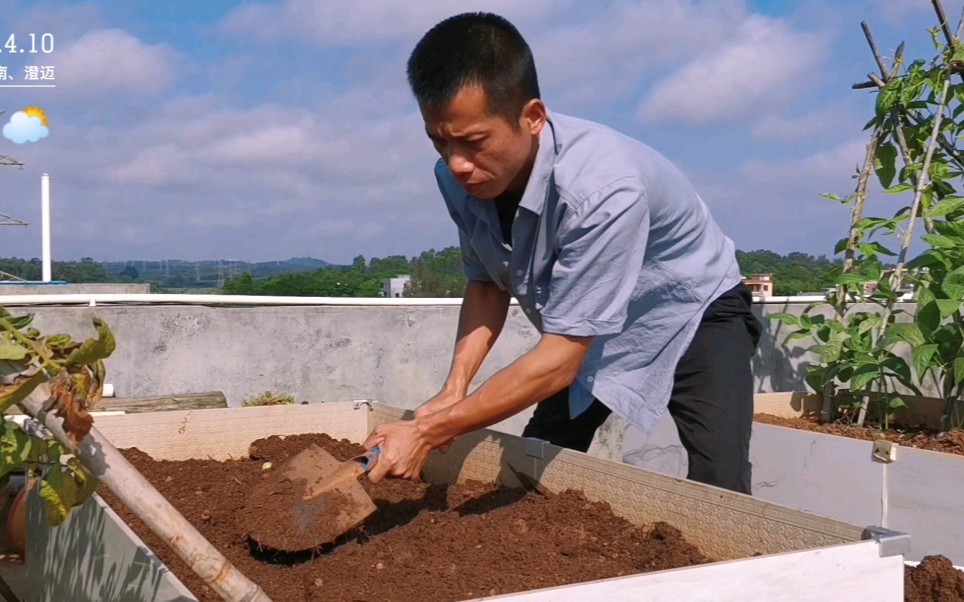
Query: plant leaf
20, 322
959, 371
908, 332
884, 164
946, 206
928, 259
921, 358
94, 349
19, 390
863, 376
947, 307
11, 350
899, 189
954, 284
896, 402
59, 493
786, 318
928, 317
925, 295
15, 447
939, 241
86, 481
71, 400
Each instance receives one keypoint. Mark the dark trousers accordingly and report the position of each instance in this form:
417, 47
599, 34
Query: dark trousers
711, 402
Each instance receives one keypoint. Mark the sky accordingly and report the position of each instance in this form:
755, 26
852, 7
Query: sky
259, 131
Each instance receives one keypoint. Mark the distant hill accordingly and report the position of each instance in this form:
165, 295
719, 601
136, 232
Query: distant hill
209, 273
434, 273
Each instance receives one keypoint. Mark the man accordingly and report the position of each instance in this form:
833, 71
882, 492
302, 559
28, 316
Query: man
609, 251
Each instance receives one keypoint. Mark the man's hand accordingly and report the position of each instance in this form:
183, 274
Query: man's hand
441, 401
547, 368
438, 403
404, 451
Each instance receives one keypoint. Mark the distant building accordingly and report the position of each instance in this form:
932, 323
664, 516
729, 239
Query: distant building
396, 287
761, 285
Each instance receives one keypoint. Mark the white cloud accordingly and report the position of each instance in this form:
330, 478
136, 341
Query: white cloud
823, 123
262, 178
607, 53
762, 66
111, 63
895, 10
333, 162
347, 22
837, 163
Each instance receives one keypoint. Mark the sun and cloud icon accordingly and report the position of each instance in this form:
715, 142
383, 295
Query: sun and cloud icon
29, 125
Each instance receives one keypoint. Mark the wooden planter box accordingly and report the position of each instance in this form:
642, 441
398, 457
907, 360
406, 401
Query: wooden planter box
803, 556
909, 490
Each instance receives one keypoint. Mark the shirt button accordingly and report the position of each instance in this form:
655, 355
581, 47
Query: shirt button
588, 379
519, 272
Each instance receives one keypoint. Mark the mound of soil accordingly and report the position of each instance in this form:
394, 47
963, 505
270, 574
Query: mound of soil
934, 580
425, 542
951, 443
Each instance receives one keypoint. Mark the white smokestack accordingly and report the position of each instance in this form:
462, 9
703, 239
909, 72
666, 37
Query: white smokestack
45, 224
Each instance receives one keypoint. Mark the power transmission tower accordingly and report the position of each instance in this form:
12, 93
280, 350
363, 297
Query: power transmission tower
6, 220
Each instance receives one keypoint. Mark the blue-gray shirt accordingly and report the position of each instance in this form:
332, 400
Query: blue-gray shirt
610, 241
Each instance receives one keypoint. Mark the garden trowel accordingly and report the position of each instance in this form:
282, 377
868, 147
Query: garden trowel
308, 501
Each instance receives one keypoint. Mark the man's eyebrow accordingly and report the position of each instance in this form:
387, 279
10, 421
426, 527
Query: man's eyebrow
469, 134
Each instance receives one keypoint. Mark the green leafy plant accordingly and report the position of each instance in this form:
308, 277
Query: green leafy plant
862, 331
75, 371
268, 398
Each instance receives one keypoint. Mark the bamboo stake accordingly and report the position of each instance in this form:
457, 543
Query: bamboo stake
921, 184
950, 402
921, 181
100, 456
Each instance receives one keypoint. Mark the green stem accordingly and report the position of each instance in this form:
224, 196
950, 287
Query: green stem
46, 358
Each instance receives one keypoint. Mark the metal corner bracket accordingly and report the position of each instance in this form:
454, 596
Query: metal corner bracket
884, 451
536, 447
891, 543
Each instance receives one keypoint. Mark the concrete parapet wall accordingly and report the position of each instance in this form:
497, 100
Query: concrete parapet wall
78, 288
398, 354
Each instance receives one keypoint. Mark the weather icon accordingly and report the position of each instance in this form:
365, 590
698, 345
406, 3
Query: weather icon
29, 125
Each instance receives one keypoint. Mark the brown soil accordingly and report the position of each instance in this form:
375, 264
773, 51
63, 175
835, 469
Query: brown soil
284, 512
934, 580
425, 542
951, 443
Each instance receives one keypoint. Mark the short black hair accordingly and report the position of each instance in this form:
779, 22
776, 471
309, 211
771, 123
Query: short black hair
474, 49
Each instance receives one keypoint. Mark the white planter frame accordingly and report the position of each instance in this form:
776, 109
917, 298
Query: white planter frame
910, 490
802, 556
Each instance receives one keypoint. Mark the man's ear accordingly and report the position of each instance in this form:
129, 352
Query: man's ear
534, 116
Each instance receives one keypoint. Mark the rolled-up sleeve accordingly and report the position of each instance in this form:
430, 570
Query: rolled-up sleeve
601, 248
472, 265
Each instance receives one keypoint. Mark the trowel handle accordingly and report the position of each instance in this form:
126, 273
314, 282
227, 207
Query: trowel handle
368, 459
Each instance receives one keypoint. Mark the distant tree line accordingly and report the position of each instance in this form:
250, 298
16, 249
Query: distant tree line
794, 273
433, 274
85, 270
439, 274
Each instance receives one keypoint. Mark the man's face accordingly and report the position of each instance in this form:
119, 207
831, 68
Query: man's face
484, 152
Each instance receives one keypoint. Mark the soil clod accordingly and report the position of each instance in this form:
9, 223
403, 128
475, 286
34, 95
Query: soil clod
934, 580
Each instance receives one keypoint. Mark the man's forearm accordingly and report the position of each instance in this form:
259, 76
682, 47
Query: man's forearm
551, 366
481, 318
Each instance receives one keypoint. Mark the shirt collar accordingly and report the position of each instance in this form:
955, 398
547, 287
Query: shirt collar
534, 197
